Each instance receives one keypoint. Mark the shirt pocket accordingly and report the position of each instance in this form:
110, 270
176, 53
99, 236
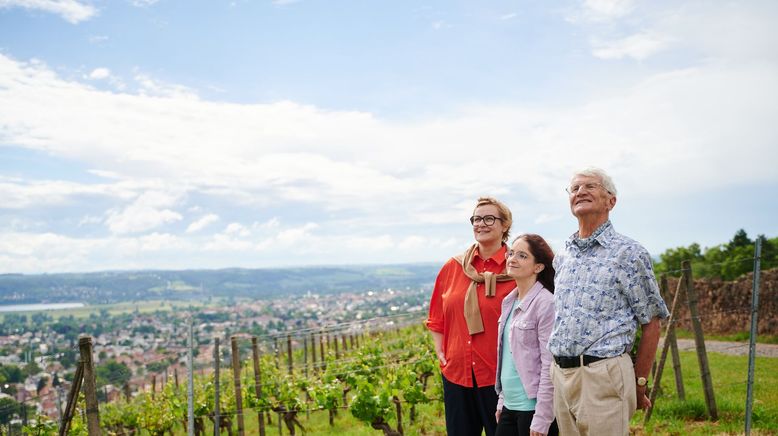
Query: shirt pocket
526, 333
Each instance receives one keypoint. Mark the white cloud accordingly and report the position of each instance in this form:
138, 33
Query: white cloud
99, 74
143, 3
150, 210
440, 24
509, 16
149, 86
71, 10
296, 235
202, 223
603, 10
20, 194
98, 39
237, 230
639, 46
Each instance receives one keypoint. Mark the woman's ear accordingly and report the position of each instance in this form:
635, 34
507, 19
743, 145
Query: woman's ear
539, 267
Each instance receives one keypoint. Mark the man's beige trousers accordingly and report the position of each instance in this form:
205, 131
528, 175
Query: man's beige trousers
598, 399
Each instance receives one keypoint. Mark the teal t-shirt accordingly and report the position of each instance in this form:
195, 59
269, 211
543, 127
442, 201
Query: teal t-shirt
514, 396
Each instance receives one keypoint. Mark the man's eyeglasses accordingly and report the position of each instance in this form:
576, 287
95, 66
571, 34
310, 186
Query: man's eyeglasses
486, 219
573, 189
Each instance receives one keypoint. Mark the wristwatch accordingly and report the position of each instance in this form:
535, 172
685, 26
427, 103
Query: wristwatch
641, 381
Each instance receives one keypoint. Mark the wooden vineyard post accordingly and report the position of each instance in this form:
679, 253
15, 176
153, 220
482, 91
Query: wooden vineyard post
75, 388
216, 384
153, 385
236, 375
699, 341
277, 350
258, 384
90, 387
665, 347
674, 347
313, 354
289, 362
321, 347
337, 349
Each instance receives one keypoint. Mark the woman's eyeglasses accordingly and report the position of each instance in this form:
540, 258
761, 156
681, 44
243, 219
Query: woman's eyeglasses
486, 219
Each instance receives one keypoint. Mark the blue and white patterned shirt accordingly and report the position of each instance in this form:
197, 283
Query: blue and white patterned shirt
604, 288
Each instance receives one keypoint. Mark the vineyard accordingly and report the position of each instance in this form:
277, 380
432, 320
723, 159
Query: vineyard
380, 378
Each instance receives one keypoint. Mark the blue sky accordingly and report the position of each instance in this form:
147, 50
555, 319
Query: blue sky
202, 134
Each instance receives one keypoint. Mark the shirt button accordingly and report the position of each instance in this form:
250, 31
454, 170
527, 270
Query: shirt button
468, 342
473, 363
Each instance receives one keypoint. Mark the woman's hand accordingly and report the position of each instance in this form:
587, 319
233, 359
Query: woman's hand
442, 358
497, 415
437, 339
535, 433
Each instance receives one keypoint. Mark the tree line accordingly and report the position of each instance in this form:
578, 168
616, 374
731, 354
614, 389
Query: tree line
726, 261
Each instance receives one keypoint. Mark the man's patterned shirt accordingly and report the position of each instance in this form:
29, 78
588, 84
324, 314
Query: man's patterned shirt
605, 287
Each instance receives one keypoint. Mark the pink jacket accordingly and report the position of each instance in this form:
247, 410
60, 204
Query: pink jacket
530, 329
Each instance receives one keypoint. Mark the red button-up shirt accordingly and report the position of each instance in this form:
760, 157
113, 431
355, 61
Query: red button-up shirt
466, 354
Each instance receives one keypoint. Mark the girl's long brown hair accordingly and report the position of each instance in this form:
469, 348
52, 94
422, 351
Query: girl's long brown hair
543, 254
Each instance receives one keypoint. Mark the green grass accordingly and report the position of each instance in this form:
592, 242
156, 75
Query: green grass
736, 337
729, 375
429, 421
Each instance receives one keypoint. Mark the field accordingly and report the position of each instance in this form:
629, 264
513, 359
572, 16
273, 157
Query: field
389, 352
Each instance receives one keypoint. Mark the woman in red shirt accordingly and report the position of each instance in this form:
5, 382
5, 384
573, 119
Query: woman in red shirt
464, 310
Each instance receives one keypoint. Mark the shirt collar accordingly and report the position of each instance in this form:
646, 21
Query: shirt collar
601, 235
498, 257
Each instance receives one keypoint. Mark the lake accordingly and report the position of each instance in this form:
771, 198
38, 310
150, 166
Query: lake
38, 307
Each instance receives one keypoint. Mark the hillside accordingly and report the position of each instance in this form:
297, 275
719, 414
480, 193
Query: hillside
118, 286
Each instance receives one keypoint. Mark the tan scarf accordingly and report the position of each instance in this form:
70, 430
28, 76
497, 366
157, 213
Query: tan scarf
472, 310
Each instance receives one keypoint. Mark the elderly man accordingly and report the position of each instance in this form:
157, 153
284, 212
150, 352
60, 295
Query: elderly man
605, 288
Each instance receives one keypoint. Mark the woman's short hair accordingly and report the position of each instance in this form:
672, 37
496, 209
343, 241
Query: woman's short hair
505, 213
542, 253
607, 181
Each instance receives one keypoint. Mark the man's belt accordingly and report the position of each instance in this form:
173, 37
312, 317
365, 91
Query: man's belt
575, 362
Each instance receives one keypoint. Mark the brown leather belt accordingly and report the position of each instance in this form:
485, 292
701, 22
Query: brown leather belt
575, 362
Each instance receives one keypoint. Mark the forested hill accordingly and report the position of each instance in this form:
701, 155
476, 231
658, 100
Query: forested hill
118, 286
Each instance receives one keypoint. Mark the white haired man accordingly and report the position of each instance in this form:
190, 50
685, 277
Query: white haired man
605, 289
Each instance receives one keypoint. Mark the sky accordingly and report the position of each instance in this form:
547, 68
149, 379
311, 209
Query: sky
171, 134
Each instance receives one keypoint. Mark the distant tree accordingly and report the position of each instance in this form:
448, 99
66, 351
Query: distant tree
68, 358
671, 259
160, 366
726, 261
8, 409
12, 374
41, 384
40, 318
31, 368
112, 372
739, 240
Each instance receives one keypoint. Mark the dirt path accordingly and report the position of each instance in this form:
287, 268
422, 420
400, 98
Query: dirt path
732, 348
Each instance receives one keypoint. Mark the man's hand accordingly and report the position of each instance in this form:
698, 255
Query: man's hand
497, 415
643, 402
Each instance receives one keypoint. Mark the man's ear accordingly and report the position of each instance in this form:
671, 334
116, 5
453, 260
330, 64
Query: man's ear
611, 202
